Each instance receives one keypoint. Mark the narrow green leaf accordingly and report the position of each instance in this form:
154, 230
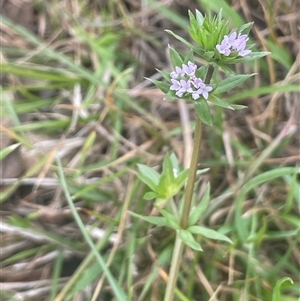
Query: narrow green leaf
165, 75
56, 274
251, 57
241, 222
209, 233
264, 90
172, 221
268, 176
230, 82
202, 171
227, 69
176, 59
189, 57
150, 195
189, 240
7, 150
175, 165
201, 72
179, 38
227, 10
238, 107
209, 55
220, 103
149, 176
169, 168
182, 178
200, 208
193, 21
280, 54
165, 87
116, 288
167, 179
276, 293
199, 17
203, 111
156, 220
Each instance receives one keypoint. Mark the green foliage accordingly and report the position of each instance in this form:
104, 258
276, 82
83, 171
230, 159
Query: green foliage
203, 111
196, 212
168, 219
209, 233
259, 213
176, 59
231, 82
277, 290
166, 184
7, 150
187, 237
207, 31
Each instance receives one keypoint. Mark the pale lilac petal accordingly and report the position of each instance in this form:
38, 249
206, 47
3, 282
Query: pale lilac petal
232, 37
174, 74
185, 86
242, 37
202, 85
244, 52
195, 95
192, 66
224, 47
240, 46
219, 48
205, 94
189, 69
179, 94
196, 82
176, 85
179, 71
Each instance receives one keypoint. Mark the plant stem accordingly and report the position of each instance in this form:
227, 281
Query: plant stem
192, 175
173, 273
178, 247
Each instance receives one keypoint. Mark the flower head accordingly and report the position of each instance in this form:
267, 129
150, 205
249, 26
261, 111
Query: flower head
184, 81
234, 42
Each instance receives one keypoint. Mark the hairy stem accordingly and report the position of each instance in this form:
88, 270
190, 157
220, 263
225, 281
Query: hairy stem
178, 247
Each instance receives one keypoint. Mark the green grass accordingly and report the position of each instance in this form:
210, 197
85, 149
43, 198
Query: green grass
83, 78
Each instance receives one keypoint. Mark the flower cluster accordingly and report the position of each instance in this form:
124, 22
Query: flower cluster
185, 81
234, 42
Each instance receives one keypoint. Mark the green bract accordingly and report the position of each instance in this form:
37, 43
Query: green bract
207, 32
166, 184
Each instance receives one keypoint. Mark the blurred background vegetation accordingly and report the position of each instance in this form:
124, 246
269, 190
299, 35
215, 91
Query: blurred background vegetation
77, 116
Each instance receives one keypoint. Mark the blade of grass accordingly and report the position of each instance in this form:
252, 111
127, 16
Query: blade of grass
227, 10
118, 291
263, 91
56, 273
241, 223
84, 265
50, 53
